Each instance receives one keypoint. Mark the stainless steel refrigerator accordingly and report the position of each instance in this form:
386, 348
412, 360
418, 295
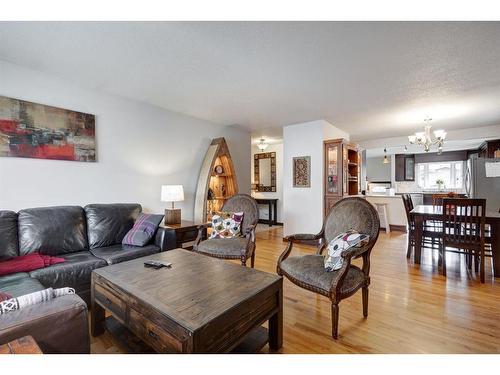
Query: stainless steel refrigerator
477, 185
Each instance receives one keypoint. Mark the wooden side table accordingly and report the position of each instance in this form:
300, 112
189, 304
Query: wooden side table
178, 234
24, 345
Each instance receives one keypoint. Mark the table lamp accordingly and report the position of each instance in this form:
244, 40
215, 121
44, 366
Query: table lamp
172, 193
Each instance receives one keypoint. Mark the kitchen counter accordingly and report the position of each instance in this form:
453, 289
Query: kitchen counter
395, 210
381, 196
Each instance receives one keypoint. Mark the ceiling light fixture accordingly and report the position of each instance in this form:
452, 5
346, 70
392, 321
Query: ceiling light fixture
262, 145
386, 160
425, 138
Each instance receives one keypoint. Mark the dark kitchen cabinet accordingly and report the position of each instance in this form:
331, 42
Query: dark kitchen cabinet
488, 148
405, 167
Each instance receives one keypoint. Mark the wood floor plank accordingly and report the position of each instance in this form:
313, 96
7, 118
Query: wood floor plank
412, 308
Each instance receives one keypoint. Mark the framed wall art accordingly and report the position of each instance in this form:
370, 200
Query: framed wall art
302, 172
32, 130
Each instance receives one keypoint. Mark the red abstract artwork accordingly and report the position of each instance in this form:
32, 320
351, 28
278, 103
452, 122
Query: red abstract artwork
32, 130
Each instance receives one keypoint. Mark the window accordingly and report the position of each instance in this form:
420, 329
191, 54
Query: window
451, 173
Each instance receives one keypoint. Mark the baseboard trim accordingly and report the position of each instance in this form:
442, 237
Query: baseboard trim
396, 228
264, 221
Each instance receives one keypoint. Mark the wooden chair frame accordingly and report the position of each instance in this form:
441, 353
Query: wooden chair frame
335, 293
463, 228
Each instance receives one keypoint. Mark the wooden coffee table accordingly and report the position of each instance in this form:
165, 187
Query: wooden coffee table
199, 305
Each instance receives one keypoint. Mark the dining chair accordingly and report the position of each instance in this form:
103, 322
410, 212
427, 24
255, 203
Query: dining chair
463, 229
437, 199
430, 237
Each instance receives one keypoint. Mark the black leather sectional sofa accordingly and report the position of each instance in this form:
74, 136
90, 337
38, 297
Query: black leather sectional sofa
87, 238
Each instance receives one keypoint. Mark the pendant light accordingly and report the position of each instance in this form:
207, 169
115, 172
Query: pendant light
262, 145
386, 160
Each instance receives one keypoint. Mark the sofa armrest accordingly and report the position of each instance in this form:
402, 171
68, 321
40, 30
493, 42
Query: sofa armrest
160, 239
58, 326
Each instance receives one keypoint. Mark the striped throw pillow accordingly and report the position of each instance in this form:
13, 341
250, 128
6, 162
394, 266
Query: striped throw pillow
143, 230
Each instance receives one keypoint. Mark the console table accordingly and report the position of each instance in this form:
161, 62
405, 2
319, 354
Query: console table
273, 210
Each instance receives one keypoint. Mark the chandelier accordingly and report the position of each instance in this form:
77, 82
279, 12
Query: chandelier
425, 138
262, 145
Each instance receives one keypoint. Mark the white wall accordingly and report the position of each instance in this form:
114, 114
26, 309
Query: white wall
303, 207
332, 132
139, 148
264, 211
376, 170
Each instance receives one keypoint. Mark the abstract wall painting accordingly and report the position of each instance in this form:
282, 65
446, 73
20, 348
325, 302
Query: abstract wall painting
302, 172
31, 130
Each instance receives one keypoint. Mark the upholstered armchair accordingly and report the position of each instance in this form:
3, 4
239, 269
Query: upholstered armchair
308, 271
233, 248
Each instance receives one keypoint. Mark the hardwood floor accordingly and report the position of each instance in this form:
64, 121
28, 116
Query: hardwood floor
412, 309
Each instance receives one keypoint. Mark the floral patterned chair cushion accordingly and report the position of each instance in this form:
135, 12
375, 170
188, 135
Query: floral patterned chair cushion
226, 224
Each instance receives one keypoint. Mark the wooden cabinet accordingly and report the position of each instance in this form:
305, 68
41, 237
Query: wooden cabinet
342, 176
399, 167
334, 169
488, 148
405, 167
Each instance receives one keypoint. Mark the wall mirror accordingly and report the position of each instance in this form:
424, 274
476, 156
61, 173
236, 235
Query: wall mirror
264, 169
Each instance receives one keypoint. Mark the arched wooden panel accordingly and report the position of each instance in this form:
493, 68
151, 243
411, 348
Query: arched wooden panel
223, 185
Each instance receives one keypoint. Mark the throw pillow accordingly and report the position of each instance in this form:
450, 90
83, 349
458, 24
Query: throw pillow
4, 296
226, 224
143, 230
27, 263
344, 241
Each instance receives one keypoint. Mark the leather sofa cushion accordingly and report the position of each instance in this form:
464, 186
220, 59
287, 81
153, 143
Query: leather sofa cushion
121, 253
107, 224
74, 273
19, 284
9, 243
52, 230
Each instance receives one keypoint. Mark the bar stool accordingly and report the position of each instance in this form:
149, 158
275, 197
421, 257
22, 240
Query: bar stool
382, 211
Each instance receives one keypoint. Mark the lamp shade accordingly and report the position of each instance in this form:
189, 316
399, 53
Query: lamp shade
172, 193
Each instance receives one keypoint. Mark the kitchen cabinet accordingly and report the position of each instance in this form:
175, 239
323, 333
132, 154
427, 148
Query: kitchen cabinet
405, 167
488, 148
342, 175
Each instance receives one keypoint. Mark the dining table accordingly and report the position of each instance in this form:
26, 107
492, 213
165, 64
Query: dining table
423, 213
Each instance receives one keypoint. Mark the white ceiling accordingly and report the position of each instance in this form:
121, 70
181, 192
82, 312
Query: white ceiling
372, 79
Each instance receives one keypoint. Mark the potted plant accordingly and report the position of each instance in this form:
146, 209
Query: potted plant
440, 183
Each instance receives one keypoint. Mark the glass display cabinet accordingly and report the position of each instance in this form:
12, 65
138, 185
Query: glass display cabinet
342, 171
